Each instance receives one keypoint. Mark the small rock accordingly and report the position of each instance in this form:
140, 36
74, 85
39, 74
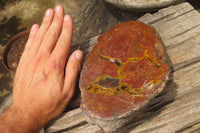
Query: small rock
14, 65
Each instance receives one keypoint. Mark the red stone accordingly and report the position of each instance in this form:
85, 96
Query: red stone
123, 72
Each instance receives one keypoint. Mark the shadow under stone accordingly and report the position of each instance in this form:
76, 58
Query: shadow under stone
155, 105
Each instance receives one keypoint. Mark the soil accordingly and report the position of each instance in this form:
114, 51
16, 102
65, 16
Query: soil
15, 51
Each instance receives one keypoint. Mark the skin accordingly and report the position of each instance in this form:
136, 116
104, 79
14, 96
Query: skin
43, 86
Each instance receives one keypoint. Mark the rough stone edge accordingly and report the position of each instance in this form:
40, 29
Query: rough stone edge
139, 6
112, 125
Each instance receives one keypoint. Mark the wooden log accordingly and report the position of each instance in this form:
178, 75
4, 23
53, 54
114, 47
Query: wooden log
6, 104
177, 108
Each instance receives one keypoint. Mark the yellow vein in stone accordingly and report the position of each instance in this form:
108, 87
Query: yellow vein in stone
118, 90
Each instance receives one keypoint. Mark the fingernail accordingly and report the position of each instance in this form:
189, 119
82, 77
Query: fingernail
48, 12
66, 18
58, 8
78, 55
34, 28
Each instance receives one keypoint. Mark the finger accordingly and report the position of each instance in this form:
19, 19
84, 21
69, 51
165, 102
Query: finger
53, 32
64, 42
72, 71
47, 20
32, 34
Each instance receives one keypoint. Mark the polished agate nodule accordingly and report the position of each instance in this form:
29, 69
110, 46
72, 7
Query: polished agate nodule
125, 69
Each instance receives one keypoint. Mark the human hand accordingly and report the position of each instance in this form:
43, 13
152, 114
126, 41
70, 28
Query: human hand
43, 86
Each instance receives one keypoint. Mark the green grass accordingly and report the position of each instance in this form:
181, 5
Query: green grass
198, 10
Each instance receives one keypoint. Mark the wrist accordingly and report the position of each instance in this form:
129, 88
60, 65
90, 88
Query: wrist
14, 120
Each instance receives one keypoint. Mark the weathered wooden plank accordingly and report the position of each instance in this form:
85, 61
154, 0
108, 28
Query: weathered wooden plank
185, 53
191, 129
72, 119
175, 27
6, 104
184, 111
86, 128
179, 28
177, 108
175, 24
184, 36
167, 13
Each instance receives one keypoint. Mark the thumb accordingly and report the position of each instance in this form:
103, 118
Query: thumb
71, 73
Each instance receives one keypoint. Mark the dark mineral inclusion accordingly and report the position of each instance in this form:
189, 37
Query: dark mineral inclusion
125, 69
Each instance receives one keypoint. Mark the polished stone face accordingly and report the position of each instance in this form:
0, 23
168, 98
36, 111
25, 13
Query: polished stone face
125, 69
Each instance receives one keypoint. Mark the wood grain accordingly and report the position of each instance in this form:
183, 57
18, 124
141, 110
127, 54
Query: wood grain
177, 108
